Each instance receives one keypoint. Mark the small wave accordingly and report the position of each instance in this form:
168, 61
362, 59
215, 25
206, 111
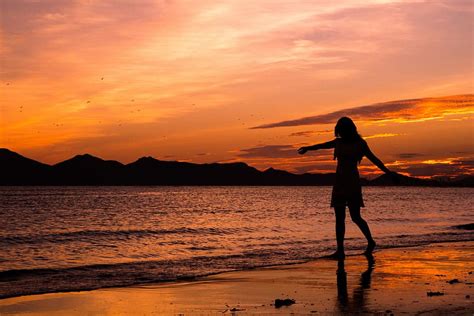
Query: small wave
36, 281
469, 226
111, 234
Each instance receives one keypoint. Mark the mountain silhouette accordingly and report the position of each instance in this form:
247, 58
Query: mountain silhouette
148, 170
386, 180
89, 170
18, 170
282, 176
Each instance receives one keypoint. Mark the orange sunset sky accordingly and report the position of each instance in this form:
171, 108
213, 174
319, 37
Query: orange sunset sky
238, 80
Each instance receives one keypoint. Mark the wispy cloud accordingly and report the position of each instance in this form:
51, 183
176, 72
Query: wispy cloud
449, 166
269, 151
410, 155
383, 135
316, 168
398, 111
310, 133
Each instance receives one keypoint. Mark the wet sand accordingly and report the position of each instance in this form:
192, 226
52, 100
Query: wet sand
397, 282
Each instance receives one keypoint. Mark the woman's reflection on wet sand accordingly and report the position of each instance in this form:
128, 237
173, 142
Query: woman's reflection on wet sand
358, 301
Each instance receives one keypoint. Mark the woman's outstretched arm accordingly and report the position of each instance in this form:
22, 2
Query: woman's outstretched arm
376, 161
326, 145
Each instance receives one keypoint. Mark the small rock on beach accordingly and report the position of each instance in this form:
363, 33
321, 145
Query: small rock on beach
284, 302
453, 281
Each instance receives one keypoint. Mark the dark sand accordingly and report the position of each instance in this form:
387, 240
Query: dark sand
397, 283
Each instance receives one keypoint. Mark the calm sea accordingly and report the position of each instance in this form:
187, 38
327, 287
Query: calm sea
71, 238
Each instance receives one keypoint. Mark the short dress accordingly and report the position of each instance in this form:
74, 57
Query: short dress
347, 190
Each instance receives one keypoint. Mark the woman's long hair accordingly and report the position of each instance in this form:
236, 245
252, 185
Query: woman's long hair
346, 130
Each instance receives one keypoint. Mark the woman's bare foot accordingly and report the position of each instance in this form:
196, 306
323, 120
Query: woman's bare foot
370, 247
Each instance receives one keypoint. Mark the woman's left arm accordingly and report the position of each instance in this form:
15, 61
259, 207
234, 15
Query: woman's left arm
376, 161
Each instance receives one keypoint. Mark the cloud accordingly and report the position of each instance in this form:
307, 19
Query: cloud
399, 111
437, 167
409, 155
309, 133
285, 157
316, 168
269, 151
422, 170
383, 135
465, 163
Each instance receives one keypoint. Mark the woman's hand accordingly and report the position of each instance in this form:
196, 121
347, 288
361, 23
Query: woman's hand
302, 150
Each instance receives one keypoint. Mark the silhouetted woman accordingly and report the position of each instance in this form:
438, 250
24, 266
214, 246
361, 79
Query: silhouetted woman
349, 148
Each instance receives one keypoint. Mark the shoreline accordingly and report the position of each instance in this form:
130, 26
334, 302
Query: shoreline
318, 286
197, 278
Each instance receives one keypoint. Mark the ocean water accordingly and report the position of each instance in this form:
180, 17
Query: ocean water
76, 238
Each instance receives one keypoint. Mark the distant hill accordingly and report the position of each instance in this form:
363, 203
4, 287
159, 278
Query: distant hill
18, 170
386, 180
148, 170
89, 170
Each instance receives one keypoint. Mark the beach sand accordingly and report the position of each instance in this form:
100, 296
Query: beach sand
396, 283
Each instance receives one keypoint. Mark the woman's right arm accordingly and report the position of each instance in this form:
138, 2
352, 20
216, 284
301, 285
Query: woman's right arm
326, 145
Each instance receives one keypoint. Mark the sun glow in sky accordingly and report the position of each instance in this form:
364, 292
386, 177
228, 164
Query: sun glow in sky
237, 80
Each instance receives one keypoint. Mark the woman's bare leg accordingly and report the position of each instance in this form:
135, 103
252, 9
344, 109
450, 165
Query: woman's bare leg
340, 229
363, 226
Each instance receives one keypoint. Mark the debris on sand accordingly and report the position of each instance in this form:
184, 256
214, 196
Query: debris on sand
434, 293
284, 302
453, 281
233, 310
